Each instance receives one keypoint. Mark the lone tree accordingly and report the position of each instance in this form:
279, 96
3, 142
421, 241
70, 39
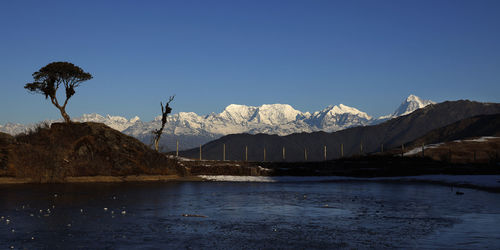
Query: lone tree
165, 110
48, 79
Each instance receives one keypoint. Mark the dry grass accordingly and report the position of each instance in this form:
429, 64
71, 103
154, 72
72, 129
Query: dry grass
51, 154
466, 151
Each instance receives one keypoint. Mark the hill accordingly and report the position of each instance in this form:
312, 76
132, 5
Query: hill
477, 126
50, 154
392, 133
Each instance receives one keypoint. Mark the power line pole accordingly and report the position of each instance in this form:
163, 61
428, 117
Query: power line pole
264, 153
223, 152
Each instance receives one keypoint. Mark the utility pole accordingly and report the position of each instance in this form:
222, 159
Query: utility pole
246, 153
264, 153
341, 150
224, 152
305, 154
200, 152
325, 152
284, 154
177, 151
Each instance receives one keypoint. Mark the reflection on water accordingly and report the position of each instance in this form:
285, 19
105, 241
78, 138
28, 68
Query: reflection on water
247, 215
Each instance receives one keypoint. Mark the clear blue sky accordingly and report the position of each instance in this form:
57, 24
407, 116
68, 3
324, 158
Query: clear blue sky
310, 54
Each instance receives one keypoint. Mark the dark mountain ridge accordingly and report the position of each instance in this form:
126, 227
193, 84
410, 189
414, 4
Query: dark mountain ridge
477, 126
392, 133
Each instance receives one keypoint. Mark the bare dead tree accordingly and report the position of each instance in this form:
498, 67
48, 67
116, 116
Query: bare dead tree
165, 110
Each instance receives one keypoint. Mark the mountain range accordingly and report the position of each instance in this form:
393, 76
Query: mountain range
361, 139
192, 130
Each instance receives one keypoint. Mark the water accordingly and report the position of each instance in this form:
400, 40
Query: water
247, 215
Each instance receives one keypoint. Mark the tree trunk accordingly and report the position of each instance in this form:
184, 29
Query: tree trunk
157, 143
64, 115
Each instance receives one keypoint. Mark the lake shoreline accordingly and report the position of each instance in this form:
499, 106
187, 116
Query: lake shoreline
489, 183
105, 179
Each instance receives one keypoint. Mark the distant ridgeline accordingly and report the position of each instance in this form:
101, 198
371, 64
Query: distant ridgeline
192, 130
356, 140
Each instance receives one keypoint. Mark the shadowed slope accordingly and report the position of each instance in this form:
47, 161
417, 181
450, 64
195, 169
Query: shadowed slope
78, 149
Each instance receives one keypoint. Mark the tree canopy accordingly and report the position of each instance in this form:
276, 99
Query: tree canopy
49, 79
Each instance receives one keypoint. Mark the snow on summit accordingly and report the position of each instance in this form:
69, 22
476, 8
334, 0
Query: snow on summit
275, 114
411, 104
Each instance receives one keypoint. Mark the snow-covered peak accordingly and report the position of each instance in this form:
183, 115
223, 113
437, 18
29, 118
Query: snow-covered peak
275, 114
413, 98
411, 104
135, 119
116, 118
344, 109
238, 113
116, 122
90, 118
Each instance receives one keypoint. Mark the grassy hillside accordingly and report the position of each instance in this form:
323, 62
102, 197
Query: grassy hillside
50, 154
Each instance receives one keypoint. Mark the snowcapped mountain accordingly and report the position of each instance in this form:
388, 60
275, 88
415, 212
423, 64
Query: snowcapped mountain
339, 117
409, 105
116, 122
282, 119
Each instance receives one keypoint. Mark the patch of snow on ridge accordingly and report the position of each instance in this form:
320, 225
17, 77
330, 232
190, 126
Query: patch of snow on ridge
483, 139
419, 149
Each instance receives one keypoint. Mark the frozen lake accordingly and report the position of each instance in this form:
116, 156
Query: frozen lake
345, 214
